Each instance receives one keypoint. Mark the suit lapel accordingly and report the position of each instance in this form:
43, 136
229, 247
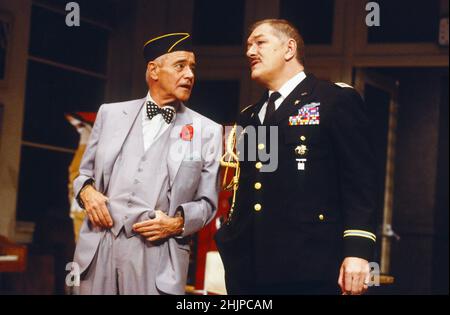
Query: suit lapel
177, 146
299, 97
124, 124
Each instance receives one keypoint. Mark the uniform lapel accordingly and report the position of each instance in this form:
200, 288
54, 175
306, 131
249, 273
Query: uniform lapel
254, 118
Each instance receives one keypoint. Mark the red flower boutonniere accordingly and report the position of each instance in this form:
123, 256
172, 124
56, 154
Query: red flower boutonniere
187, 133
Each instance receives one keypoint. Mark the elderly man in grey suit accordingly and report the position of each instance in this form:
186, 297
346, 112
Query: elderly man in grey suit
149, 179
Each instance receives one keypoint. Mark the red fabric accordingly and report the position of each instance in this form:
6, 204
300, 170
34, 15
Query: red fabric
88, 117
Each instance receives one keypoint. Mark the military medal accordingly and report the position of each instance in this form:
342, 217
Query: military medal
308, 114
301, 164
301, 149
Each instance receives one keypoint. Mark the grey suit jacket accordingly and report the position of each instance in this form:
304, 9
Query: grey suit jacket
194, 176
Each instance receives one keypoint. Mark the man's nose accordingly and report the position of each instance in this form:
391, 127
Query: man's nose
251, 51
189, 73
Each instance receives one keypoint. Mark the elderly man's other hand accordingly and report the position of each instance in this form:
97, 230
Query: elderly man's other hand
95, 206
159, 228
354, 276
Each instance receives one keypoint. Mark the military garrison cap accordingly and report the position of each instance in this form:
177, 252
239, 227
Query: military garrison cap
165, 44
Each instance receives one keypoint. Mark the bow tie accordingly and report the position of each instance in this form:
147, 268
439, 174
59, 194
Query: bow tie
167, 112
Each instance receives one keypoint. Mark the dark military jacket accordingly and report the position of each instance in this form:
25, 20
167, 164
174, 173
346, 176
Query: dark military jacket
298, 222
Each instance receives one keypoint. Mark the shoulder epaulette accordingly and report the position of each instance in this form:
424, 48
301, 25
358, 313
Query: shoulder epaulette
247, 108
343, 85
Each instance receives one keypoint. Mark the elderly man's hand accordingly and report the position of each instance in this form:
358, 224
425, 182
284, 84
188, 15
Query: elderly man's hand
161, 227
354, 276
95, 206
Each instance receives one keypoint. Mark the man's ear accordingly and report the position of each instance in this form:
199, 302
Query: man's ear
291, 49
152, 70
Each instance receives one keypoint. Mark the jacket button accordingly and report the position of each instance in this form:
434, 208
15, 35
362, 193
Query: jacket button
303, 138
261, 146
258, 165
258, 207
258, 186
321, 217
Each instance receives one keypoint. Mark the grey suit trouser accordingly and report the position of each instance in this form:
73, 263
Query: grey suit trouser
122, 265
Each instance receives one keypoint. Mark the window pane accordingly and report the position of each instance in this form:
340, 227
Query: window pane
217, 100
404, 21
51, 92
84, 46
314, 19
218, 22
42, 183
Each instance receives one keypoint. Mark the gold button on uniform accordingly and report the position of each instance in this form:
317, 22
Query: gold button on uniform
258, 207
261, 146
303, 138
258, 165
321, 217
258, 186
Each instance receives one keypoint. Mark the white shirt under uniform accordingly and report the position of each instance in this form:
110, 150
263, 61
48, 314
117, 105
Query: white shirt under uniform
285, 90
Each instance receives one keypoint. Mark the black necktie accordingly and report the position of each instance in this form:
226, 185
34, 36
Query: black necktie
167, 112
270, 109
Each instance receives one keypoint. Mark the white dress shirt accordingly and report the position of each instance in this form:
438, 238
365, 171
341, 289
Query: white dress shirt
154, 127
285, 90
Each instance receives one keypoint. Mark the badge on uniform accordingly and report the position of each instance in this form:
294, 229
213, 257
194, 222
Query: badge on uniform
309, 114
301, 151
301, 164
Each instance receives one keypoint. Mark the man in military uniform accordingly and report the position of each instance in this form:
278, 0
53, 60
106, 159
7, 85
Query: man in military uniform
306, 227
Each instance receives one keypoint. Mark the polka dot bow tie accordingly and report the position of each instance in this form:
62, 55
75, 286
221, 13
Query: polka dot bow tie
167, 112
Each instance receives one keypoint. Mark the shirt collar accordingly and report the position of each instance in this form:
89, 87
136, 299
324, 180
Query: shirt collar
290, 85
150, 98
